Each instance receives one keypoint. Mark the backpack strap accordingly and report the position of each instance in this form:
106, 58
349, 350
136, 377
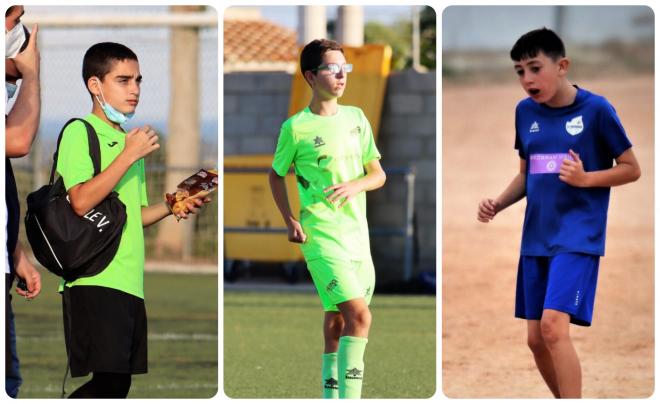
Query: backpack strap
94, 148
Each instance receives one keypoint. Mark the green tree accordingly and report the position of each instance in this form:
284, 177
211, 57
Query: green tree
427, 37
397, 35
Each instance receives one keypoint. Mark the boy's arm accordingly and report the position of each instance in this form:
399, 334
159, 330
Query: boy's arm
374, 179
23, 120
626, 170
278, 188
85, 196
488, 208
155, 213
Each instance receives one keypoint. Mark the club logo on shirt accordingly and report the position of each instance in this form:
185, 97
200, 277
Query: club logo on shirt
534, 128
355, 131
318, 141
575, 126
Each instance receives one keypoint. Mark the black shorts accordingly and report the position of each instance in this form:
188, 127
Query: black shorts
105, 330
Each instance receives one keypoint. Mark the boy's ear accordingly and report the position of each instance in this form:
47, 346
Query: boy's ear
93, 85
564, 63
309, 77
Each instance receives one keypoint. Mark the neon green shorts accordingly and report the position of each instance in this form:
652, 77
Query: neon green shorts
338, 281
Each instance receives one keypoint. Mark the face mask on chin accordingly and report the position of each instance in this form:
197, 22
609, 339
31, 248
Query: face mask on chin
16, 40
110, 112
11, 90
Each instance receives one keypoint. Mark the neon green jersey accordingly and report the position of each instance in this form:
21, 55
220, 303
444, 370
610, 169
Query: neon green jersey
328, 150
126, 270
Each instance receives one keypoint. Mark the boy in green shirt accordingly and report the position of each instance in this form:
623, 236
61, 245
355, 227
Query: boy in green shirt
104, 315
331, 147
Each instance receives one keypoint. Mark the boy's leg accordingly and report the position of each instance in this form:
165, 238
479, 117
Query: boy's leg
542, 356
104, 385
352, 344
348, 287
333, 325
555, 331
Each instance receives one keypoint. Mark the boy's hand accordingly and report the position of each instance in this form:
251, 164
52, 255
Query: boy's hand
193, 205
140, 142
345, 190
572, 172
27, 62
296, 233
488, 208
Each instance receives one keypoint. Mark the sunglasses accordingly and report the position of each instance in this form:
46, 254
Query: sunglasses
334, 68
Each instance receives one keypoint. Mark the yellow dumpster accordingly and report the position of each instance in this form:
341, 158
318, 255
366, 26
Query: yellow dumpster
250, 213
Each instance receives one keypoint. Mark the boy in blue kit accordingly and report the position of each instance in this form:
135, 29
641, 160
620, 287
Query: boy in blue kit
567, 139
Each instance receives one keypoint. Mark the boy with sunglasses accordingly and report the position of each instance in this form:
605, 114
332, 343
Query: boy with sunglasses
336, 161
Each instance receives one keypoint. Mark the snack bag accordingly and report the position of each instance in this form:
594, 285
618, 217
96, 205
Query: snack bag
198, 185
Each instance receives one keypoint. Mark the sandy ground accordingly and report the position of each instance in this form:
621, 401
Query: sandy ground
483, 346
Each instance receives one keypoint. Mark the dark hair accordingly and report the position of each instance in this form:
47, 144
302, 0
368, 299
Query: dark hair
99, 58
540, 40
312, 54
9, 10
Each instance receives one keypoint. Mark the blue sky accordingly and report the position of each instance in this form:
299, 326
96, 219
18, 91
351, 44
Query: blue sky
288, 15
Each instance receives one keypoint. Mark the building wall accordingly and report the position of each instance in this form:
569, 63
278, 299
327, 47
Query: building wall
255, 105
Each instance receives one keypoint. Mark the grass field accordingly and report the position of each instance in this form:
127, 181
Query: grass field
273, 345
183, 339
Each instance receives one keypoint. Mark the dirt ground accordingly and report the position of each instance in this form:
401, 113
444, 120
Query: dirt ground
484, 351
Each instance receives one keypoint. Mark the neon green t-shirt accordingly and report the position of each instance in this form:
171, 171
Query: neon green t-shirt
126, 270
328, 150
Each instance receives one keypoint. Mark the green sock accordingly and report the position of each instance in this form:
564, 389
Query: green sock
350, 364
329, 374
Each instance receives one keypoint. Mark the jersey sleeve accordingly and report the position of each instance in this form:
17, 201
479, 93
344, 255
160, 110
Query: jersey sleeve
611, 131
367, 143
144, 201
285, 152
73, 162
518, 145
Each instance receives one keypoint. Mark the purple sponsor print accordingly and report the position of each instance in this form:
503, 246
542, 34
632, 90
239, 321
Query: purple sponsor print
547, 163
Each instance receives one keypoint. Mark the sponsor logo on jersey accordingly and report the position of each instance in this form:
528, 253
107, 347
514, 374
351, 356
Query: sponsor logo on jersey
354, 373
112, 144
534, 128
318, 141
575, 126
355, 131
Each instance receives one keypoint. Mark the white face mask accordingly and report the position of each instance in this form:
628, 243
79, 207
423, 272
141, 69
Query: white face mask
16, 40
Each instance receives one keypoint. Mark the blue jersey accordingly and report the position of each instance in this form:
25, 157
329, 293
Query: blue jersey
560, 218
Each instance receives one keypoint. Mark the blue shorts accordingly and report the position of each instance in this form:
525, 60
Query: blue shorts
564, 282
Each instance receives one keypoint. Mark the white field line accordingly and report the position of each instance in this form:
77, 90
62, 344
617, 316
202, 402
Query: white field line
168, 336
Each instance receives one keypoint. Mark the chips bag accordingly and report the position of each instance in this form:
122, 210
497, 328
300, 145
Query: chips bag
198, 185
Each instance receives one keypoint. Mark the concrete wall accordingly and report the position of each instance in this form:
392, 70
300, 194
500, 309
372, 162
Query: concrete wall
255, 105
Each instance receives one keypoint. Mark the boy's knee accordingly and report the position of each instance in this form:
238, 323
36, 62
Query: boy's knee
535, 342
553, 329
362, 319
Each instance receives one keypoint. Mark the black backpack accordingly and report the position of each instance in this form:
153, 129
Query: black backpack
69, 245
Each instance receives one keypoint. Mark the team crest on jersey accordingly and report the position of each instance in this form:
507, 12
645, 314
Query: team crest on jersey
534, 128
355, 131
575, 126
318, 141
